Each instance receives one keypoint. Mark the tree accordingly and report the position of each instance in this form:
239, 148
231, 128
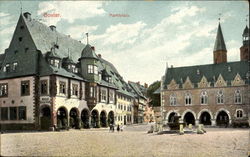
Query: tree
154, 98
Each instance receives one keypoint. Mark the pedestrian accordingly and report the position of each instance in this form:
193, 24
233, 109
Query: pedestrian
118, 128
121, 128
110, 127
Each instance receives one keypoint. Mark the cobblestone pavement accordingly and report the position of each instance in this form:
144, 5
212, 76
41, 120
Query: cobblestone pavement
132, 142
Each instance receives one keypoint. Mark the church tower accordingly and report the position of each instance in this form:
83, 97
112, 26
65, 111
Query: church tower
220, 51
244, 50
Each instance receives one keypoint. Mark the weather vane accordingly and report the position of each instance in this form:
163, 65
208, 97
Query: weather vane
87, 34
247, 19
219, 16
21, 6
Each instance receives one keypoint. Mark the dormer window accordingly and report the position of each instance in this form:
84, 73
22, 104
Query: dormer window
7, 68
20, 39
22, 27
14, 66
57, 63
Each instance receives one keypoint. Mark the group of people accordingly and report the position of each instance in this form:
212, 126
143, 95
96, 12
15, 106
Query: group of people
118, 128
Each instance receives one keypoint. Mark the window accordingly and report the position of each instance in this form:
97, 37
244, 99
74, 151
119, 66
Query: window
14, 66
239, 113
237, 97
4, 113
95, 70
103, 95
7, 68
57, 63
22, 112
75, 89
51, 62
90, 69
21, 27
3, 90
26, 49
91, 92
172, 100
44, 87
62, 87
13, 113
188, 99
220, 97
204, 97
20, 39
111, 96
25, 88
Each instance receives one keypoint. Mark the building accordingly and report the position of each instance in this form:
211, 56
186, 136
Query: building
48, 79
140, 100
213, 94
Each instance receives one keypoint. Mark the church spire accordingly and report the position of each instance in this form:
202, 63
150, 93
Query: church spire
219, 41
220, 50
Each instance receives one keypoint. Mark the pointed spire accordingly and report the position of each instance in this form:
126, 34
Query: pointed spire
219, 41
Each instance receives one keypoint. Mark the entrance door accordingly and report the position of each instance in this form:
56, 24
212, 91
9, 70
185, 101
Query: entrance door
45, 118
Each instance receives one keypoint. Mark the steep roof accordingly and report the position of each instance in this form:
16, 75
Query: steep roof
88, 52
117, 80
210, 71
219, 41
137, 88
246, 31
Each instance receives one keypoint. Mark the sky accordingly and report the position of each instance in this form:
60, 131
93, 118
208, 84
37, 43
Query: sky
140, 38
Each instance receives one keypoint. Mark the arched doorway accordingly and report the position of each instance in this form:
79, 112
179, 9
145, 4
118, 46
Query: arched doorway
103, 119
111, 118
205, 118
74, 119
95, 119
45, 117
189, 118
222, 119
62, 118
171, 117
85, 118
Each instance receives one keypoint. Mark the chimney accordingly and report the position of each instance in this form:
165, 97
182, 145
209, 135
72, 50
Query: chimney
52, 27
27, 15
99, 55
145, 85
172, 66
93, 48
138, 82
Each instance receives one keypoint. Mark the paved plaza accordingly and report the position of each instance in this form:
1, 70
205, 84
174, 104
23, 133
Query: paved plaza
132, 142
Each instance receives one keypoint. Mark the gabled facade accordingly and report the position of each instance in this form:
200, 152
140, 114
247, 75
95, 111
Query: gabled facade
49, 80
213, 94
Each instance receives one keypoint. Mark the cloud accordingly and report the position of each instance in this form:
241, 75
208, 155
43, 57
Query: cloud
70, 10
145, 50
78, 31
7, 26
120, 34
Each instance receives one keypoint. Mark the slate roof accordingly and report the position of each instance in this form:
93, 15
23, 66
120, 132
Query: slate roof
138, 89
246, 31
210, 71
117, 80
88, 52
219, 41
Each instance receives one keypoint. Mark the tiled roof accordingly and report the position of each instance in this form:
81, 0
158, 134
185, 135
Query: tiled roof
211, 71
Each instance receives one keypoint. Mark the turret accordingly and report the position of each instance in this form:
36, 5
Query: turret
244, 50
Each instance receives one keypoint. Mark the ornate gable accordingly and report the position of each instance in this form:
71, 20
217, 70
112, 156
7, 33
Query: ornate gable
220, 82
237, 81
188, 84
203, 83
173, 85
